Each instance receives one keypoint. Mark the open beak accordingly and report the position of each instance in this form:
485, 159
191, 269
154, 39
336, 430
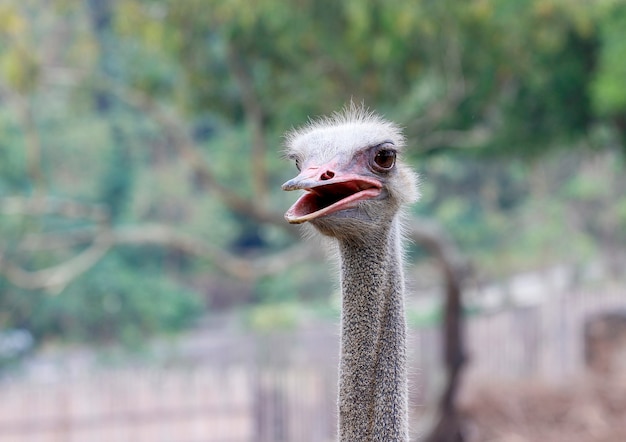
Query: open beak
328, 190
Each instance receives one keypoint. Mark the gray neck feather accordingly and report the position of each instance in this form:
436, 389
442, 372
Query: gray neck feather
372, 372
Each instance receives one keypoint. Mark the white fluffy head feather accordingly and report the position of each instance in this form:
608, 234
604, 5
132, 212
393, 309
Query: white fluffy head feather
349, 130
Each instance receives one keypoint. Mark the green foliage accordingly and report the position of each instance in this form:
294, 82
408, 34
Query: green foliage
93, 102
272, 317
608, 84
114, 303
509, 215
424, 317
277, 289
11, 162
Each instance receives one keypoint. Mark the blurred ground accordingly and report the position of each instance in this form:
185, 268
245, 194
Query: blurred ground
587, 410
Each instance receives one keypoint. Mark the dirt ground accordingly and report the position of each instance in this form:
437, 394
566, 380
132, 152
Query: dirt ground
589, 410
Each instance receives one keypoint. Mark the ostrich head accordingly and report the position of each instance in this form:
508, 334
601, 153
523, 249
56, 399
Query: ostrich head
351, 174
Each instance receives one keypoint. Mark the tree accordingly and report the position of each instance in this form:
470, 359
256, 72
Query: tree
143, 135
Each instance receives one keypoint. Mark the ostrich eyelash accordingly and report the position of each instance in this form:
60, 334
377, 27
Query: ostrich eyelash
296, 159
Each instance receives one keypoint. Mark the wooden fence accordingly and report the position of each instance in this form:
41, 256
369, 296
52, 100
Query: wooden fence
199, 404
283, 402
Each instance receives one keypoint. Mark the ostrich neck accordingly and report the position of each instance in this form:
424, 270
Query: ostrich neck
372, 375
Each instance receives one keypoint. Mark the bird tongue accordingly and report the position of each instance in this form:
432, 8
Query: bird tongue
329, 198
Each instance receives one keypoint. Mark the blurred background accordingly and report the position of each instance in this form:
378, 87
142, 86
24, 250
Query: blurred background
150, 289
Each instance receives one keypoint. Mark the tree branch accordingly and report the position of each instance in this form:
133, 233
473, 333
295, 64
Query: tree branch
242, 268
102, 238
54, 206
32, 143
57, 241
55, 279
456, 91
176, 131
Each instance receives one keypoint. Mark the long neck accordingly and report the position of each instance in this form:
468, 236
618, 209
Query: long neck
372, 372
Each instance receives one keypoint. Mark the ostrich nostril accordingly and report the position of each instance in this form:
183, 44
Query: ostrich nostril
329, 174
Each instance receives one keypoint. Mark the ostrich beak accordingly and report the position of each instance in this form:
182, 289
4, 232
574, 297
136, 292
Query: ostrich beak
328, 190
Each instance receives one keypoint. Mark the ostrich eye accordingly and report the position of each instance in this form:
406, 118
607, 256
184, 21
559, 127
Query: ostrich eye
385, 158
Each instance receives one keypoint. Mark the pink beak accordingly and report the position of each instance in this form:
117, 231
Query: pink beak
328, 189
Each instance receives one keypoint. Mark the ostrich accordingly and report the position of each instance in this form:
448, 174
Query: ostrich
354, 189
